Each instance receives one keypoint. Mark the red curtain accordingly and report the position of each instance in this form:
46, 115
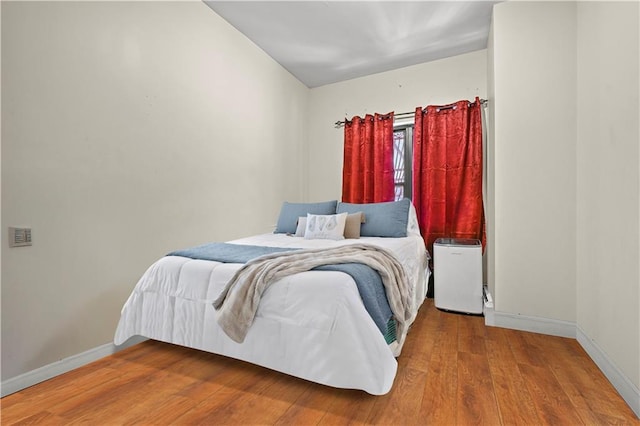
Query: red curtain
367, 172
447, 172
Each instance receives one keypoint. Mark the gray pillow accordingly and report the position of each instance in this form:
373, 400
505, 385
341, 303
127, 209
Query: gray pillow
290, 212
383, 219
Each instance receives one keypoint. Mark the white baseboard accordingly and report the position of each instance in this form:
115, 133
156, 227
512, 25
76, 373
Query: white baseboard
49, 371
627, 390
533, 324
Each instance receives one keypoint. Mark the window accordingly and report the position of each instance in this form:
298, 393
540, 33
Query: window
402, 160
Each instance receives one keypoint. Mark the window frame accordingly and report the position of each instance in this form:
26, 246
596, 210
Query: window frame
407, 129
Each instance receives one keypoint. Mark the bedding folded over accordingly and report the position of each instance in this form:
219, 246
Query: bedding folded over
367, 280
227, 253
238, 302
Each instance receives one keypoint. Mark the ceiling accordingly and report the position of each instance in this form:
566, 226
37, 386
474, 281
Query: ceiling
323, 42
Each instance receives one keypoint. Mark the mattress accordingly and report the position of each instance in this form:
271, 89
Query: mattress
311, 325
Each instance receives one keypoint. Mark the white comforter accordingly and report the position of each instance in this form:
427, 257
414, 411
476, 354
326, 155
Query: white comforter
312, 325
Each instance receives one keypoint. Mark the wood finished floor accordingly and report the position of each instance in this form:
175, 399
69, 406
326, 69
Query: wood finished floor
453, 371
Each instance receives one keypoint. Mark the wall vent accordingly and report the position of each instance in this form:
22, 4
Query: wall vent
19, 237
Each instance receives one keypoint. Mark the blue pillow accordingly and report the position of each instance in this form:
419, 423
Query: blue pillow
382, 219
290, 212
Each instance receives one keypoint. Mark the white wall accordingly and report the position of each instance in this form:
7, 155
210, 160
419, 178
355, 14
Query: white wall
433, 83
534, 155
489, 201
608, 181
129, 129
566, 192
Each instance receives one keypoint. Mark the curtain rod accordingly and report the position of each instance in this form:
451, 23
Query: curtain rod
483, 102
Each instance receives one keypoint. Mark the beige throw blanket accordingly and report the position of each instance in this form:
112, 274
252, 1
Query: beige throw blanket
238, 302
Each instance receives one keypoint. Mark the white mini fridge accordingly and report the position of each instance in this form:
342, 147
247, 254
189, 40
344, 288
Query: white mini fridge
457, 275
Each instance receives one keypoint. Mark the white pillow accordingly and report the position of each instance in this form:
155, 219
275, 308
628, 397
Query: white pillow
325, 227
301, 226
412, 223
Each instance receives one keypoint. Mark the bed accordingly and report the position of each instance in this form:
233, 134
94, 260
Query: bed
311, 324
